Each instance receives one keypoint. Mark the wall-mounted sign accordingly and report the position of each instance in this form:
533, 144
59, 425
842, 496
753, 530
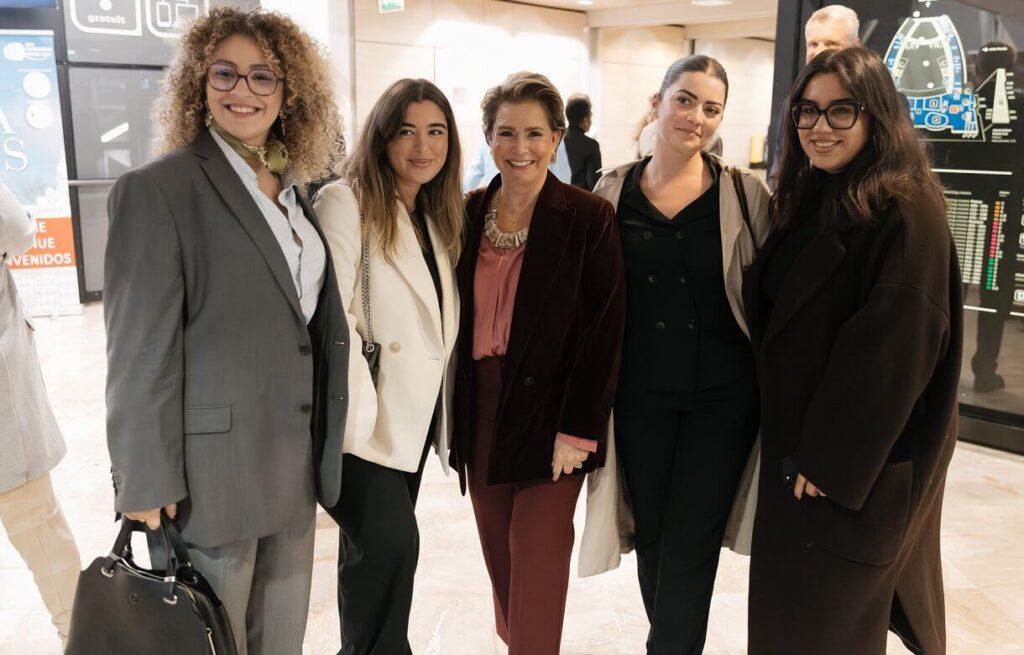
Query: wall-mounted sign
131, 31
32, 166
388, 6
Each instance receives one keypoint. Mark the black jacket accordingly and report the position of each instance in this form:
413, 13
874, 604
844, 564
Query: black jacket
584, 158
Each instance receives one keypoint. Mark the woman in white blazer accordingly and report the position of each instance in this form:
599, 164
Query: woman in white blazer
30, 440
402, 184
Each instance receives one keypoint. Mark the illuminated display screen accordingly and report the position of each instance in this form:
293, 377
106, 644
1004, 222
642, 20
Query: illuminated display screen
963, 78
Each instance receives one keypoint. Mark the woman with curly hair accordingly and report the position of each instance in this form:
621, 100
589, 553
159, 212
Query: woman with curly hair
227, 343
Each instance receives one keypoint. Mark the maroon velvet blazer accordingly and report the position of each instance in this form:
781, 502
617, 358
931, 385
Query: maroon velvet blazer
565, 341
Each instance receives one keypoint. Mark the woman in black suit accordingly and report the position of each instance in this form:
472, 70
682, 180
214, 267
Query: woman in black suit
542, 289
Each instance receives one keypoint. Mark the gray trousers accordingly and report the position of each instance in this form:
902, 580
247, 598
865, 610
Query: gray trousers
264, 584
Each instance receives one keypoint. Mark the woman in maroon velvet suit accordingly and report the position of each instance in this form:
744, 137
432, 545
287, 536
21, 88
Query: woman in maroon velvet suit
542, 289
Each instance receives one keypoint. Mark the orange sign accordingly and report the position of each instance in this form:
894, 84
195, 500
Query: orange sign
54, 247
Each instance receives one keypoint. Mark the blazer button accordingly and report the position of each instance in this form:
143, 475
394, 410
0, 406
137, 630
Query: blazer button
682, 279
395, 347
652, 278
692, 324
306, 408
305, 350
528, 381
680, 236
660, 325
647, 235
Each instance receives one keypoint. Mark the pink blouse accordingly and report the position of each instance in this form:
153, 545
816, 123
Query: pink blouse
494, 298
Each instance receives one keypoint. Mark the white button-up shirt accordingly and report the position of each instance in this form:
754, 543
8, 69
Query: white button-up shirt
308, 261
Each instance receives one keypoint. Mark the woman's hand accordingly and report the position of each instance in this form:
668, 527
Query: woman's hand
804, 485
151, 517
565, 459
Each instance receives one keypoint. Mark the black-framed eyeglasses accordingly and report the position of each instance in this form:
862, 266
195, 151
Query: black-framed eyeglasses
262, 81
840, 115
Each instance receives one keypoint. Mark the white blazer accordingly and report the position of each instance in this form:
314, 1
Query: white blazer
388, 425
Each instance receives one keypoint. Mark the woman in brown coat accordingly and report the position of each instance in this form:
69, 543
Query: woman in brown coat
855, 312
543, 308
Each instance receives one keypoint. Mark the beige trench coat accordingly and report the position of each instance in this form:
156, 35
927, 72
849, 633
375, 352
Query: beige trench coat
608, 532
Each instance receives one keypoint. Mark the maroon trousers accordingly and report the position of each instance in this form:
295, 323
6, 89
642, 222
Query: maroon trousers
526, 534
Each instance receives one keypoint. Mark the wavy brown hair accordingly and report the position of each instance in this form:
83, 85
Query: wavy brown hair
891, 168
373, 182
310, 126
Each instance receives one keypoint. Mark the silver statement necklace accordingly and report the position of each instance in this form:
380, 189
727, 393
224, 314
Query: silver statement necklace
499, 239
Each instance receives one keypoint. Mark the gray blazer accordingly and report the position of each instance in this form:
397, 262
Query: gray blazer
30, 441
218, 395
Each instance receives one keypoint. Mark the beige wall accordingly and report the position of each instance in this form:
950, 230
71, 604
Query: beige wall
749, 64
630, 63
465, 46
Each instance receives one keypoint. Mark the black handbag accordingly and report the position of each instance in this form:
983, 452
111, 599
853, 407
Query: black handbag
371, 349
121, 608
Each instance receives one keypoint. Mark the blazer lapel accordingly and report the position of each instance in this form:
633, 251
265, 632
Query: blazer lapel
231, 189
549, 233
449, 300
413, 268
812, 268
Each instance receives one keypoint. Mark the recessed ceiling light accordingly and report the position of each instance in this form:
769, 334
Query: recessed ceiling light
711, 3
585, 3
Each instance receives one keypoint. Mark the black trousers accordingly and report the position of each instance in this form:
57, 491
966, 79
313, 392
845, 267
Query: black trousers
682, 455
377, 554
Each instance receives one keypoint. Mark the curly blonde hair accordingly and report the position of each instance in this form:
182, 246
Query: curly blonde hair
310, 123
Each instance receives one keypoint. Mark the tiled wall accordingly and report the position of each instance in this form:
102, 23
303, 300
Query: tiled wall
749, 64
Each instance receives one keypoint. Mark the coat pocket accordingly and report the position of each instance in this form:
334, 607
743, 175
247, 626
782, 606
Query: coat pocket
208, 419
874, 534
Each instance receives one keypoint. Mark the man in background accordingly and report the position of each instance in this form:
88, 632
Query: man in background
830, 28
584, 152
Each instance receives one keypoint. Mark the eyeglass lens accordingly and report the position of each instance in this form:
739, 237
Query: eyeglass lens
840, 116
225, 78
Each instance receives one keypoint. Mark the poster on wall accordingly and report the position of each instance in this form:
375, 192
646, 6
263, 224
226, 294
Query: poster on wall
33, 167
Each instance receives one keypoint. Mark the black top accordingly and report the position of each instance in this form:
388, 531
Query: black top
420, 221
681, 334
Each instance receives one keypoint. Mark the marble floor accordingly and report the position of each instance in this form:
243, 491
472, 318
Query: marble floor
982, 534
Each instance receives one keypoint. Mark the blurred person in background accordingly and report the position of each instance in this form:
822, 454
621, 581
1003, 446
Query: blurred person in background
584, 152
30, 440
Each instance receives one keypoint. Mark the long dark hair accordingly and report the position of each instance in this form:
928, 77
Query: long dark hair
372, 179
891, 168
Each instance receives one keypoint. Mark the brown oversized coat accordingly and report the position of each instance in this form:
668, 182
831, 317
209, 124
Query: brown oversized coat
858, 363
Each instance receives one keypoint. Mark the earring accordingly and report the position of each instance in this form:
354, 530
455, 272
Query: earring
281, 117
554, 156
209, 117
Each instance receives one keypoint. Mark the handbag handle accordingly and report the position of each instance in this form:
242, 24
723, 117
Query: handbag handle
178, 559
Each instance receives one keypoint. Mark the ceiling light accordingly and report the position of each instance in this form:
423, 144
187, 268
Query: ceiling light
585, 3
711, 3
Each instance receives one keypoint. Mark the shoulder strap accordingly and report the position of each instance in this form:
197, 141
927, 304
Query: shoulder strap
364, 277
741, 194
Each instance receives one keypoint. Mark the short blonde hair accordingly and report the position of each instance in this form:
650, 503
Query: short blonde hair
523, 87
310, 126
